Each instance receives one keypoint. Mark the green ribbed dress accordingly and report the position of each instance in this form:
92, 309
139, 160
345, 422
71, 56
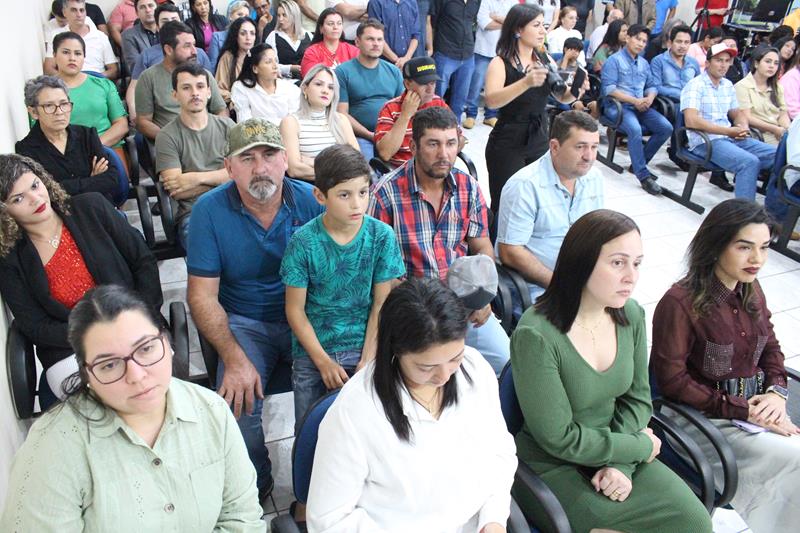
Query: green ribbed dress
575, 415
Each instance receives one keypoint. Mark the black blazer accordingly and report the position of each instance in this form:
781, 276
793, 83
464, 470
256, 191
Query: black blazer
217, 21
114, 252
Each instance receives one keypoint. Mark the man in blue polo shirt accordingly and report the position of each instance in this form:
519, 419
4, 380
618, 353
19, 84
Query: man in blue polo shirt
237, 236
626, 77
366, 82
541, 201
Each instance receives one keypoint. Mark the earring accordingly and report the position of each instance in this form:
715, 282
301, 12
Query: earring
516, 35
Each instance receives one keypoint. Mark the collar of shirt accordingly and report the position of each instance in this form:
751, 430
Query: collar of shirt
749, 82
413, 185
179, 407
721, 294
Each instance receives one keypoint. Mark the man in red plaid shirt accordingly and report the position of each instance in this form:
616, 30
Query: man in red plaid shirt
438, 214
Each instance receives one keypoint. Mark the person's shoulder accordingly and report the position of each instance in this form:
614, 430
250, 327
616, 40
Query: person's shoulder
225, 123
214, 200
477, 366
302, 193
171, 129
86, 202
634, 311
197, 396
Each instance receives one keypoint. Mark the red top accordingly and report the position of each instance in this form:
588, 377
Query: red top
317, 53
715, 20
67, 275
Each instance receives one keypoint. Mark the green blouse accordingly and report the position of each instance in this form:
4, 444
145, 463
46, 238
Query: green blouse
73, 475
573, 413
96, 104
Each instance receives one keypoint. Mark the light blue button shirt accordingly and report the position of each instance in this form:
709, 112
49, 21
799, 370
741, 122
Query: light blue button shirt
712, 102
536, 210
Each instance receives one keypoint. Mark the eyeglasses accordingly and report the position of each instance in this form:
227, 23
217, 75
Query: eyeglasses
150, 352
50, 109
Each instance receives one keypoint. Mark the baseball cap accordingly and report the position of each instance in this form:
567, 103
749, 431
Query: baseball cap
421, 70
720, 48
474, 280
253, 132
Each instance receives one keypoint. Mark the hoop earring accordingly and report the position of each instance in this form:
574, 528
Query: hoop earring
516, 35
394, 360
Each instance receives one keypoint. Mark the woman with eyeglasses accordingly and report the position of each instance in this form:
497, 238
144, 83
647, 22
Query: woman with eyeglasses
53, 249
73, 155
131, 449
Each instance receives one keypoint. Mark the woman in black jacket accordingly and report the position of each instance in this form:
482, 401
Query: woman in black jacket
53, 249
204, 22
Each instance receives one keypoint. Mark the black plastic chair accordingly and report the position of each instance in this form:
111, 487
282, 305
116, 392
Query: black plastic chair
781, 244
21, 361
168, 247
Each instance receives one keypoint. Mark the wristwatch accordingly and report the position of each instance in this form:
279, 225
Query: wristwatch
783, 392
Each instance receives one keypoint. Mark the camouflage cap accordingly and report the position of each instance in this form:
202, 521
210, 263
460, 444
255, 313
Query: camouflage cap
253, 132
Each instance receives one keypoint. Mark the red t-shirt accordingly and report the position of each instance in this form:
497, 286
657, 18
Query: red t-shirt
715, 20
317, 53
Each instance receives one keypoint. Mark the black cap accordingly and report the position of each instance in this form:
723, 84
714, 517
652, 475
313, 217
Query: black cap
421, 70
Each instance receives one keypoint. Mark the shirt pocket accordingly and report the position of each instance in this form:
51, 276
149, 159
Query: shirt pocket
208, 483
717, 359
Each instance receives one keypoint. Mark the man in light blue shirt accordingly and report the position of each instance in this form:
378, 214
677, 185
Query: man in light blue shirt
626, 77
541, 201
665, 10
673, 69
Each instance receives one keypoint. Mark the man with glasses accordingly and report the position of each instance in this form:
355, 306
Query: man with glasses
72, 154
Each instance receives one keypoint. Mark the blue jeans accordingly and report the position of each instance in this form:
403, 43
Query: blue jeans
492, 342
182, 233
423, 6
366, 147
776, 207
475, 86
456, 74
265, 344
633, 123
745, 158
307, 381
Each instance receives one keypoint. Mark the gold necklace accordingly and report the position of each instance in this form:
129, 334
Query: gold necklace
427, 405
54, 242
590, 331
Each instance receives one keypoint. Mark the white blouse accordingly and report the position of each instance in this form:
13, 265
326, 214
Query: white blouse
454, 476
556, 38
257, 102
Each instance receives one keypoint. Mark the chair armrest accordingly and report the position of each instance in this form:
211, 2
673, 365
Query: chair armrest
21, 371
284, 524
145, 216
793, 374
665, 106
610, 100
380, 166
211, 360
728, 459
756, 134
516, 520
502, 302
133, 159
784, 190
520, 284
682, 146
179, 328
471, 170
699, 460
559, 523
167, 218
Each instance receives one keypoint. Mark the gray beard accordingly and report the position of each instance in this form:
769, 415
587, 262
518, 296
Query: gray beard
262, 188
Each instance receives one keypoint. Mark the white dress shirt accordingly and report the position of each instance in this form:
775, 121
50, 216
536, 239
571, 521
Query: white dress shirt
454, 475
257, 102
98, 48
596, 39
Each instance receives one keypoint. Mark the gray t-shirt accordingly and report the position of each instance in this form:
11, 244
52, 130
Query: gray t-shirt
154, 96
192, 151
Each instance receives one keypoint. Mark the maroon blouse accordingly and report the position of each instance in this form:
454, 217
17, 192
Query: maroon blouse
690, 354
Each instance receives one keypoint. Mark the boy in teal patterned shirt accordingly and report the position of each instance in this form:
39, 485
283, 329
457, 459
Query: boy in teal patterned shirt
338, 269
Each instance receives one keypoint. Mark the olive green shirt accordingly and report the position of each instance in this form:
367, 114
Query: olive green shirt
75, 475
573, 413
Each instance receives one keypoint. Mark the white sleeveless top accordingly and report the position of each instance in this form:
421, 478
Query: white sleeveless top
314, 134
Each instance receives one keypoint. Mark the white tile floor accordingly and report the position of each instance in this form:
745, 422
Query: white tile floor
666, 229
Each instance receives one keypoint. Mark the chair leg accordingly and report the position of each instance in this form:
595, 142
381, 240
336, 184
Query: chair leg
782, 244
685, 199
608, 159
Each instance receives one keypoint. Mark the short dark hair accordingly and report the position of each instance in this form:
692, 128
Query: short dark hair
136, 3
573, 43
336, 164
636, 29
66, 36
417, 314
168, 34
191, 68
715, 32
369, 23
57, 8
576, 261
680, 28
168, 7
437, 117
325, 13
566, 121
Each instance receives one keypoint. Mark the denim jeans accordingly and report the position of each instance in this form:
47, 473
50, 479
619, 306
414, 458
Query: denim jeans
633, 123
776, 207
491, 341
422, 6
182, 233
307, 381
456, 74
366, 147
265, 344
475, 86
745, 158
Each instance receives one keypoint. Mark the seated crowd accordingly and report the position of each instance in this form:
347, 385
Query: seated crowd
300, 254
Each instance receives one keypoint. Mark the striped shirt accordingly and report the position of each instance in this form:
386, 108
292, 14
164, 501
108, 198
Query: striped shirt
429, 245
712, 103
314, 134
389, 114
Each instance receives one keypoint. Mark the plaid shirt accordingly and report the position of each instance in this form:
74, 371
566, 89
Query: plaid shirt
389, 114
429, 244
712, 104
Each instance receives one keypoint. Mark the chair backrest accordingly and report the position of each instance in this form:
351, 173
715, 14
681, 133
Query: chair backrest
508, 401
305, 443
121, 194
21, 371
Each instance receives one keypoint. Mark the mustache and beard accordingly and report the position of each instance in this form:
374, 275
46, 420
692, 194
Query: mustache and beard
262, 188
